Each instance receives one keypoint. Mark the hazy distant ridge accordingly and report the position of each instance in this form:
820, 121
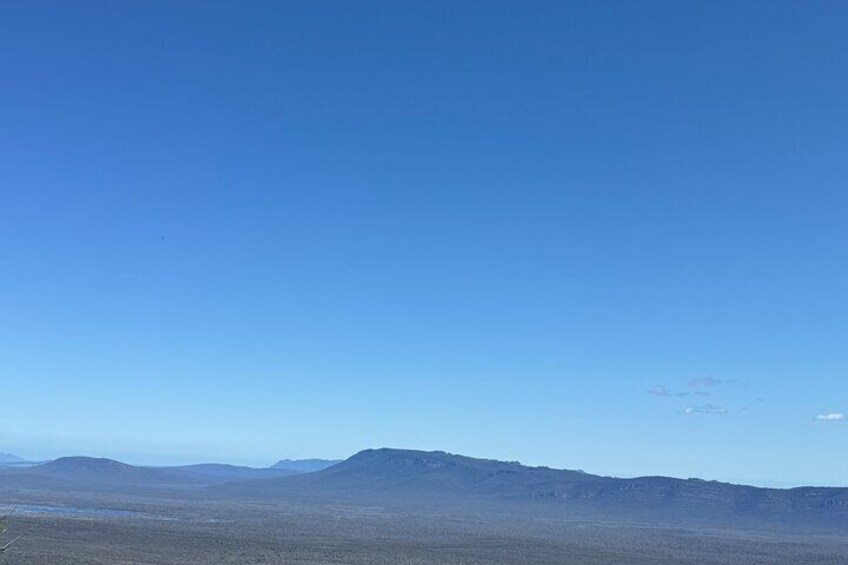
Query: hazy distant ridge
305, 465
10, 458
108, 472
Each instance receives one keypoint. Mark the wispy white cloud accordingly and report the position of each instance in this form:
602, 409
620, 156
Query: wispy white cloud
704, 409
703, 382
663, 391
831, 417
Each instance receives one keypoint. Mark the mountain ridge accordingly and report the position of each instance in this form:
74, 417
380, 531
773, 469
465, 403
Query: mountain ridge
437, 480
305, 465
104, 472
10, 459
420, 479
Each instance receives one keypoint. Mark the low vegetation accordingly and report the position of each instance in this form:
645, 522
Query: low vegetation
4, 545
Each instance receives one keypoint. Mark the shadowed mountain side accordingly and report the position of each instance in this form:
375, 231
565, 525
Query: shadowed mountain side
436, 479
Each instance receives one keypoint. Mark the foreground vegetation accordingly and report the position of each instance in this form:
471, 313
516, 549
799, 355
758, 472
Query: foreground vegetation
171, 528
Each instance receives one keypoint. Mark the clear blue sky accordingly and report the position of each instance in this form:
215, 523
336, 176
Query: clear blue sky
599, 235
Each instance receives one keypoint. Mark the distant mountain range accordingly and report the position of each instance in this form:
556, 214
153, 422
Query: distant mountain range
305, 465
233, 472
99, 472
217, 472
10, 459
437, 480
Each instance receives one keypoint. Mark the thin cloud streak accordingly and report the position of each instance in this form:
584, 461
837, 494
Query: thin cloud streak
703, 382
705, 409
663, 391
831, 417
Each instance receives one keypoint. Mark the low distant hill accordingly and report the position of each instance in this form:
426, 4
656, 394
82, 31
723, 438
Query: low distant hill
99, 472
304, 465
105, 471
217, 472
417, 479
10, 459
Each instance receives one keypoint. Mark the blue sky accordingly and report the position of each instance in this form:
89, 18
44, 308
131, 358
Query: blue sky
598, 235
